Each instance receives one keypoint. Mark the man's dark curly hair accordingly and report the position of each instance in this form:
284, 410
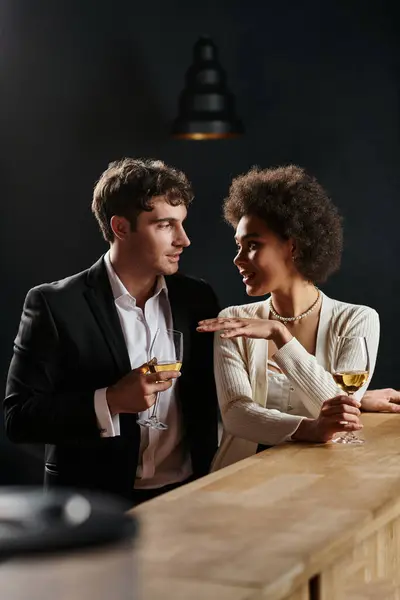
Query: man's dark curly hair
128, 186
295, 206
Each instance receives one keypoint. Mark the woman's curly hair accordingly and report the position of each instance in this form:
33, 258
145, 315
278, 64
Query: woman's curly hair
295, 206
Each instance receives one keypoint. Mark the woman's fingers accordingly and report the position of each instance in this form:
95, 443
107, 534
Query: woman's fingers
216, 320
339, 409
220, 324
340, 400
231, 333
345, 426
346, 418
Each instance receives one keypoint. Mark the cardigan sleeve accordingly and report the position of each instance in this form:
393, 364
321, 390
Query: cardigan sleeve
241, 416
312, 382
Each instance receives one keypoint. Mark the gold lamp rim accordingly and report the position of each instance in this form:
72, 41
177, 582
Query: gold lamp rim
205, 136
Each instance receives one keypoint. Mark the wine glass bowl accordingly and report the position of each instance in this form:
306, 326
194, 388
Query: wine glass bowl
350, 372
166, 354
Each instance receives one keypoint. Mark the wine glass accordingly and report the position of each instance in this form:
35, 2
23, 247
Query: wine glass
350, 371
166, 354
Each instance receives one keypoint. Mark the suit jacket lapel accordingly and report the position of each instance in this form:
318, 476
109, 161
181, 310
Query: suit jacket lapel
101, 301
180, 313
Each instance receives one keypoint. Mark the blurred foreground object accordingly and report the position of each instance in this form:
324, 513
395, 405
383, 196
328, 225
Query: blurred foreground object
64, 544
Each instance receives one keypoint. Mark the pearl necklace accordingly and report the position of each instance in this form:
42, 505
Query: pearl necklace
299, 317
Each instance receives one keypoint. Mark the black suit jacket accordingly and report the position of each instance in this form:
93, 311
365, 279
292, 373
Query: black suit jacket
69, 344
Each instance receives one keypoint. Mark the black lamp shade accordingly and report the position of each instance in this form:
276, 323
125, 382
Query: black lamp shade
206, 106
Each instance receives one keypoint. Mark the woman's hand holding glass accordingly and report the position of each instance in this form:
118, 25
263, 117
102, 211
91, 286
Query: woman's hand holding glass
350, 372
339, 414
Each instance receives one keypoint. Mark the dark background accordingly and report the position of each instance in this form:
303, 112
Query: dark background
84, 82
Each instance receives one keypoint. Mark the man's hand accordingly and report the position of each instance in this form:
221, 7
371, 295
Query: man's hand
387, 400
137, 390
337, 414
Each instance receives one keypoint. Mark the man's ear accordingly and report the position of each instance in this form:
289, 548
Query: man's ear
120, 227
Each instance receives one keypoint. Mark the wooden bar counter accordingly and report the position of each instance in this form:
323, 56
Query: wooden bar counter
295, 522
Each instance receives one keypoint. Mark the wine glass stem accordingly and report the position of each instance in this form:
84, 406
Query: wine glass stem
155, 406
350, 435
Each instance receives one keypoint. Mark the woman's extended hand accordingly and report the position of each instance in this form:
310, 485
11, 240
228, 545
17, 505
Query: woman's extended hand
232, 327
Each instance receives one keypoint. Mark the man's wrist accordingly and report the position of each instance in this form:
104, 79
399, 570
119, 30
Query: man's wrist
110, 397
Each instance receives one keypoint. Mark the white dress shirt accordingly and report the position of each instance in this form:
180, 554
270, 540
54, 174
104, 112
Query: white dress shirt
163, 455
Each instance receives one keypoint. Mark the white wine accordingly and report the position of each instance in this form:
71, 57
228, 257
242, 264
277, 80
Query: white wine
165, 366
351, 381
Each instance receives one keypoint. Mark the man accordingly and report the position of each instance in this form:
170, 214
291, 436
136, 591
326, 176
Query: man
78, 380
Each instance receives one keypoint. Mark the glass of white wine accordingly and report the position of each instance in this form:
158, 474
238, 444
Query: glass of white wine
166, 354
350, 372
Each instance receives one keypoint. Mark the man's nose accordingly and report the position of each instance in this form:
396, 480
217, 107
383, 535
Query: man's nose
182, 239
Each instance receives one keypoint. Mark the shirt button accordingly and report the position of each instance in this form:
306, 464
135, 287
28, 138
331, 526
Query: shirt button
291, 389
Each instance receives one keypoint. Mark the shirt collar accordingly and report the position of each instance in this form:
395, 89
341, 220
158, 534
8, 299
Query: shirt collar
118, 288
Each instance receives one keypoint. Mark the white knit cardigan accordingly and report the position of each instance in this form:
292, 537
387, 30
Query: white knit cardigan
240, 366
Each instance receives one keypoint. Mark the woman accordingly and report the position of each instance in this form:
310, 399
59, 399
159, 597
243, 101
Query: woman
274, 358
